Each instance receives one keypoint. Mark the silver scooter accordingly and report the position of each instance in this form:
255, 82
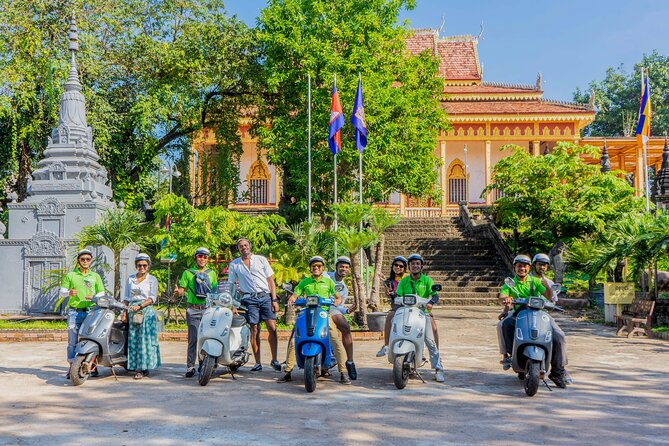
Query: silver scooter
407, 337
532, 340
103, 341
223, 337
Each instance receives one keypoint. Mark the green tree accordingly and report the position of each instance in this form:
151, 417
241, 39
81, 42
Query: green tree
154, 74
557, 196
118, 229
321, 38
381, 220
617, 98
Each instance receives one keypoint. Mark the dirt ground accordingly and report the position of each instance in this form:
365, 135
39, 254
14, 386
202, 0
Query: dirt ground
620, 396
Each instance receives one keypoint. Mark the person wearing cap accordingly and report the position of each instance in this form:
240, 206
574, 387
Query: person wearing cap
421, 285
196, 304
254, 278
319, 284
398, 269
141, 294
337, 312
560, 375
80, 285
526, 285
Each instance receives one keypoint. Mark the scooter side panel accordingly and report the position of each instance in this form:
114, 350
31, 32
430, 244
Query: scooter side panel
408, 329
87, 347
309, 349
301, 338
534, 352
212, 347
213, 324
525, 322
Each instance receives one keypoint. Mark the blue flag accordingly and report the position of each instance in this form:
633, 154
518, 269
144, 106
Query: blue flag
336, 123
358, 120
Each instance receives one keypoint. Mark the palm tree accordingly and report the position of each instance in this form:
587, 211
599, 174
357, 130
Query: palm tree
117, 229
381, 220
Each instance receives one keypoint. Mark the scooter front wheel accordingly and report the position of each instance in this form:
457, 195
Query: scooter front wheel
206, 369
309, 375
532, 377
80, 370
400, 372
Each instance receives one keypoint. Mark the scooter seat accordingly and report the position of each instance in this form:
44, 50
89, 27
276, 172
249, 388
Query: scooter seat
238, 321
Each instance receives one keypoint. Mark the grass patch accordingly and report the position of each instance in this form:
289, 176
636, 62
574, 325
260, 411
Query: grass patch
33, 325
662, 329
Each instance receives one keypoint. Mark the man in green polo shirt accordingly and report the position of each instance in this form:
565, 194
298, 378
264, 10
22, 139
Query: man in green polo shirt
322, 285
80, 285
419, 284
196, 281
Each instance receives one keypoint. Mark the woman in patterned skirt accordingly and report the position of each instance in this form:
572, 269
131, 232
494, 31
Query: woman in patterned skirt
141, 293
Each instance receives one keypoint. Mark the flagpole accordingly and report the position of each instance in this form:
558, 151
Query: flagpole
360, 200
335, 190
309, 145
644, 139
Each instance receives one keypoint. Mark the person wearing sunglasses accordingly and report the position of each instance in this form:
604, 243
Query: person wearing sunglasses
141, 293
80, 285
196, 282
398, 270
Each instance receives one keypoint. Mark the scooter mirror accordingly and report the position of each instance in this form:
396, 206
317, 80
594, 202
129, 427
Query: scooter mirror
509, 282
556, 287
436, 287
287, 286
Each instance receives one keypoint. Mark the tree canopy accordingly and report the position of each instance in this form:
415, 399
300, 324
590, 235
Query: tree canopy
154, 73
321, 38
617, 98
557, 196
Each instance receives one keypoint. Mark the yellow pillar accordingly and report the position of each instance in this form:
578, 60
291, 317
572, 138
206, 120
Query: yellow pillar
536, 146
621, 163
442, 147
638, 173
277, 187
488, 172
402, 204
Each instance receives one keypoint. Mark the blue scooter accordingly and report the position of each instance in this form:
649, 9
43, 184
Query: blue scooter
313, 350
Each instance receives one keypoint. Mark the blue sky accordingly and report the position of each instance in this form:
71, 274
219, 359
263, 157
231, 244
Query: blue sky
569, 42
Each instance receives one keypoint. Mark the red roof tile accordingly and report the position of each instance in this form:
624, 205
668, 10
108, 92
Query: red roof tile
458, 57
485, 89
511, 107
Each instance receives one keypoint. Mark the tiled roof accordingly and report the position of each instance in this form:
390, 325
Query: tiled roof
512, 107
457, 55
484, 88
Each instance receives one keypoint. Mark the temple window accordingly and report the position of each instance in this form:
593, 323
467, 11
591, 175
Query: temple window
258, 181
457, 182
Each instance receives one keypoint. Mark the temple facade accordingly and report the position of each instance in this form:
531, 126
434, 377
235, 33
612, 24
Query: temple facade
485, 116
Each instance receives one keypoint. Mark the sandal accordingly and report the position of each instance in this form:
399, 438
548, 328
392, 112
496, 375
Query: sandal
139, 375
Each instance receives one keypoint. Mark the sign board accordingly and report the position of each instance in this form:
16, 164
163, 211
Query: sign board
618, 293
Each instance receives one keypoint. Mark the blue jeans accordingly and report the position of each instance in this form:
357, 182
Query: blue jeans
74, 320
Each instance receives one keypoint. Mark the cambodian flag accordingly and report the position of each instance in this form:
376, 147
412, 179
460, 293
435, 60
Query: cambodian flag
358, 119
643, 128
336, 122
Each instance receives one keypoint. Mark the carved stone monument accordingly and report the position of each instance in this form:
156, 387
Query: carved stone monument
68, 191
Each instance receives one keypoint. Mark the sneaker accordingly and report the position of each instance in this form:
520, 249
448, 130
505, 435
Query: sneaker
275, 365
352, 372
190, 372
285, 378
382, 352
344, 379
439, 376
257, 368
139, 375
67, 375
95, 373
506, 362
567, 378
558, 379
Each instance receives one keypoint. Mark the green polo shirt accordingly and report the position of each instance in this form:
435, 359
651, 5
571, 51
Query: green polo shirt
87, 286
323, 287
523, 289
187, 281
421, 287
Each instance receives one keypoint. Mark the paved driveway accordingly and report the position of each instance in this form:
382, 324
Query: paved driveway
620, 396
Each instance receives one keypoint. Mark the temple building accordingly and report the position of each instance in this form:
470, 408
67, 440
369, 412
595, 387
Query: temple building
484, 116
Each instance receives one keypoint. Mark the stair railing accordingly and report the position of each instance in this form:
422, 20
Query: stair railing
488, 229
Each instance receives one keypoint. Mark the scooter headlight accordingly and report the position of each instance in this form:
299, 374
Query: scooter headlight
104, 302
312, 301
536, 302
410, 300
519, 334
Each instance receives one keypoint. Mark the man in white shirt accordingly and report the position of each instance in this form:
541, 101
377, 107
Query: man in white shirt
254, 278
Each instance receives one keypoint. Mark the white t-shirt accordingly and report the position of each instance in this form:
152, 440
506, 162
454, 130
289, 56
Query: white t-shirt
141, 291
252, 279
550, 283
343, 292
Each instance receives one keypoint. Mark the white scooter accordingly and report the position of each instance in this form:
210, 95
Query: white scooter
407, 337
223, 337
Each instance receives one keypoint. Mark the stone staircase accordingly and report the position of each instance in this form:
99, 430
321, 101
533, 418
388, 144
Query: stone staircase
467, 266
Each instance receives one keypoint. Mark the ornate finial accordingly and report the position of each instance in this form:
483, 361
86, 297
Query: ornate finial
73, 83
441, 27
605, 162
538, 84
591, 100
480, 36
